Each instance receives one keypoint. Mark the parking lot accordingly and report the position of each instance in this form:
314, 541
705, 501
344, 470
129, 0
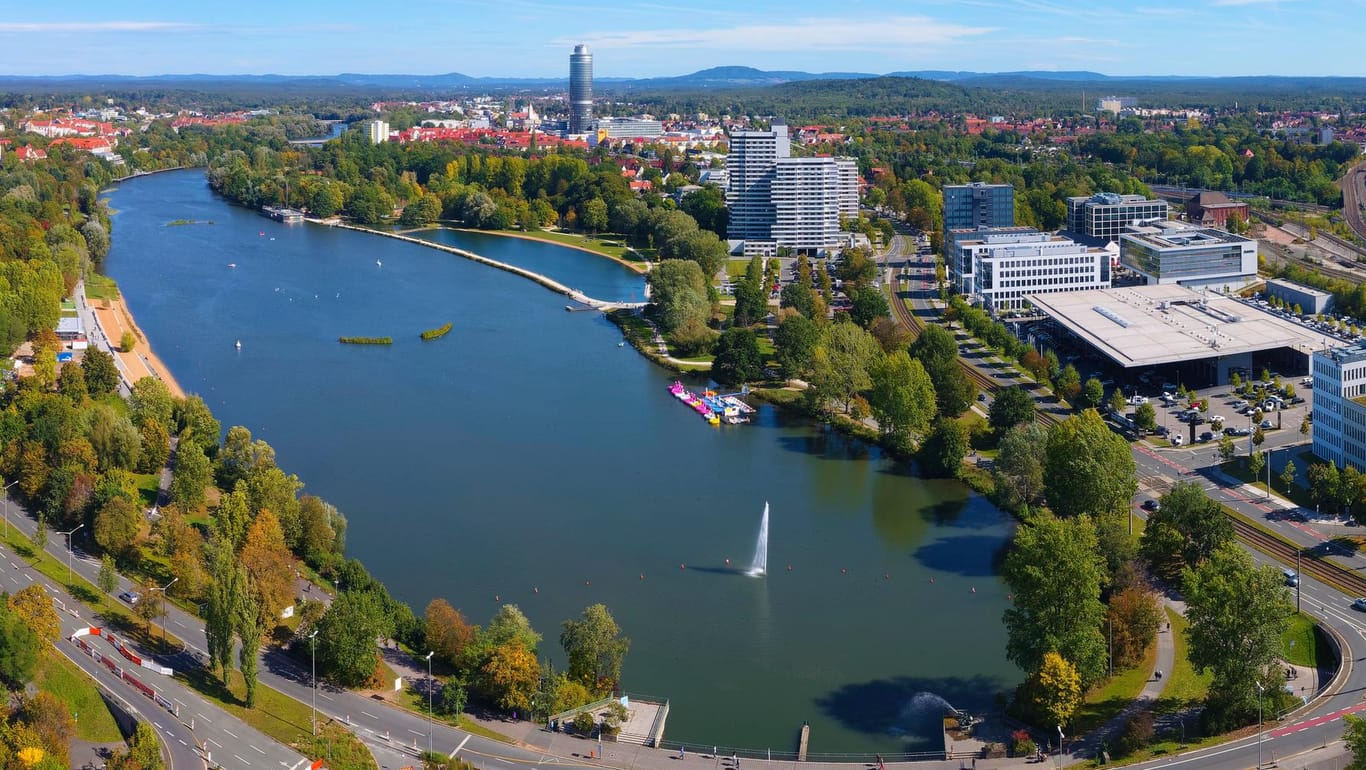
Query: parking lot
1282, 410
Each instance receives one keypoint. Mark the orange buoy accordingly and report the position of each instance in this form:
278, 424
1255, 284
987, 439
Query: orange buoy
642, 576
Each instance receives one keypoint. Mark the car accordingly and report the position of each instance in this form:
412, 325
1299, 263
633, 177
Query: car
130, 597
981, 397
1196, 419
1206, 437
1177, 440
1266, 425
1152, 505
1359, 604
1297, 400
1292, 578
1239, 404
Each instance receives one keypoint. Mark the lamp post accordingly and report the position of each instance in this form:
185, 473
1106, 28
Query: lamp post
162, 589
68, 550
1259, 726
429, 700
313, 672
6, 493
1060, 736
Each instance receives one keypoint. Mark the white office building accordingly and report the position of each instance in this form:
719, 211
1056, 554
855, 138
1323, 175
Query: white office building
1006, 266
379, 131
777, 201
1177, 252
1106, 215
628, 128
1339, 412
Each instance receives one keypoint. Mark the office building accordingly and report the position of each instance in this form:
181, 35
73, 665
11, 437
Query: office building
959, 264
1006, 266
1339, 412
777, 201
1105, 215
627, 128
1175, 252
978, 205
379, 131
1311, 301
580, 90
1115, 104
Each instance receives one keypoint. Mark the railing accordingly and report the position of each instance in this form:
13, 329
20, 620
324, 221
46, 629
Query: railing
656, 735
721, 752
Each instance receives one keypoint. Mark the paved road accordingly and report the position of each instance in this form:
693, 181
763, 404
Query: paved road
96, 336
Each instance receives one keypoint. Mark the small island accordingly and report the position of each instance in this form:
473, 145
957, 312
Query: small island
437, 333
366, 340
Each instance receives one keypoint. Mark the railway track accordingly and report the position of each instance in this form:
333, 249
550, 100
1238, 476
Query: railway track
1312, 561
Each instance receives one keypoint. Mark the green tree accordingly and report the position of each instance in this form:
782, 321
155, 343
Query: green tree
101, 375
795, 342
33, 606
1237, 614
156, 447
737, 357
1088, 468
902, 399
346, 638
840, 363
868, 305
596, 648
115, 441
1227, 449
1355, 737
192, 474
1256, 463
19, 647
1011, 407
1133, 616
249, 622
593, 215
1118, 403
944, 449
226, 583
240, 455
195, 422
1055, 572
678, 294
117, 524
751, 295
1288, 475
108, 578
1185, 531
151, 400
127, 341
937, 351
1145, 417
1092, 394
1018, 471
144, 751
1069, 382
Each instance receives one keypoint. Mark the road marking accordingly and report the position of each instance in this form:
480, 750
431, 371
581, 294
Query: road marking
324, 696
296, 764
201, 716
178, 623
414, 732
457, 749
243, 761
229, 732
372, 716
262, 753
182, 742
157, 725
214, 742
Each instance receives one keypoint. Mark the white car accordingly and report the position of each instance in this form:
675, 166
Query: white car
1177, 440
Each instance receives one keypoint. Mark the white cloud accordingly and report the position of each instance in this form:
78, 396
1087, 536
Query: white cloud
92, 26
812, 33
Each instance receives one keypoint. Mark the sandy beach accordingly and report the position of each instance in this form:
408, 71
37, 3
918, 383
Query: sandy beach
142, 362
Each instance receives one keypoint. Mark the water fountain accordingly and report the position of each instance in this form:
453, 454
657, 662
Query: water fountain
759, 567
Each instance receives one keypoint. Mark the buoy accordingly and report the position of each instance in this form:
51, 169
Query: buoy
497, 598
727, 562
931, 580
789, 568
535, 590
585, 582
682, 566
844, 571
974, 589
886, 576
642, 576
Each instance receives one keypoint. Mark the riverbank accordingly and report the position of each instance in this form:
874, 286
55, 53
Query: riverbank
636, 267
114, 318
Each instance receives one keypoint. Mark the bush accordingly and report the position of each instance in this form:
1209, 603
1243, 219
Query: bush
127, 341
1137, 734
584, 723
1022, 744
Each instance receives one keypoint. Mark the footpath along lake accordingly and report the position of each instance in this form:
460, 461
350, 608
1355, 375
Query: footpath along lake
526, 456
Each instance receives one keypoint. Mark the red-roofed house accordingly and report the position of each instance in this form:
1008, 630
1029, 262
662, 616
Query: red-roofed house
30, 153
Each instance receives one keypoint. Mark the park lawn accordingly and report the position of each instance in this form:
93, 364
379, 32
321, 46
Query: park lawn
416, 702
613, 246
1300, 643
62, 678
1184, 686
1109, 698
149, 485
100, 287
735, 268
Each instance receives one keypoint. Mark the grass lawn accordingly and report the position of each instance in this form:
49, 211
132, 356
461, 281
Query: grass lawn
149, 484
417, 703
1109, 698
1184, 686
735, 268
613, 246
100, 287
1300, 643
72, 686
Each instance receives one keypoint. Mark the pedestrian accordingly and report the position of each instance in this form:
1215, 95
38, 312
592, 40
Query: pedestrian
880, 764
735, 760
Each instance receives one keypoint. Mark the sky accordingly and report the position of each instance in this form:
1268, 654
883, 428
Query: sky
649, 38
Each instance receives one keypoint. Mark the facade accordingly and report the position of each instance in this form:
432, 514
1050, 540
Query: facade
1175, 252
379, 131
1310, 300
1115, 104
753, 154
1213, 209
580, 90
978, 205
959, 266
1006, 266
1339, 412
627, 128
1105, 215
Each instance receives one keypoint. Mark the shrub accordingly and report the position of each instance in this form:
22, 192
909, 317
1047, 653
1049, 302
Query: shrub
1137, 734
1022, 744
584, 723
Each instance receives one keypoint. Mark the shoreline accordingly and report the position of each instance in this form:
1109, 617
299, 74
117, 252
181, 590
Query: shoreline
114, 318
632, 266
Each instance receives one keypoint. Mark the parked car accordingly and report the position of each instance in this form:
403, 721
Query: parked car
1206, 437
1267, 425
1177, 440
1152, 505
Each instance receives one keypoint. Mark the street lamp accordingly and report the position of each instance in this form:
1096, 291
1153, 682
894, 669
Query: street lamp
6, 493
429, 700
1060, 746
313, 670
162, 589
1259, 726
68, 550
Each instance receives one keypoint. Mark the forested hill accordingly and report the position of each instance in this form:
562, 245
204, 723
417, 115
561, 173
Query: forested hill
816, 98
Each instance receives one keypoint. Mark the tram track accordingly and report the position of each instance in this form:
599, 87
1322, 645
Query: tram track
1311, 561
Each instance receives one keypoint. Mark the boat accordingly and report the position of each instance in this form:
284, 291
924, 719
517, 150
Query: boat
239, 345
621, 344
232, 265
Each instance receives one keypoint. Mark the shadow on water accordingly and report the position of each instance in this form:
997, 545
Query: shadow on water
732, 571
966, 555
825, 443
900, 705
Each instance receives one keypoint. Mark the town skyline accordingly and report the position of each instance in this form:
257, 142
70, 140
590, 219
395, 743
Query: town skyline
1214, 38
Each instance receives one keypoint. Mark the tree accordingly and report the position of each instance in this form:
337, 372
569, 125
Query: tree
596, 648
156, 447
737, 357
902, 399
1256, 462
944, 449
841, 363
150, 400
509, 677
1227, 449
869, 304
115, 441
1069, 382
1145, 417
71, 383
49, 718
448, 633
226, 581
1258, 437
1237, 614
1057, 690
1055, 572
1089, 469
795, 342
1018, 471
1118, 402
1355, 738
196, 423
1288, 475
678, 294
144, 751
250, 620
192, 474
1092, 394
19, 647
117, 524
269, 564
101, 375
1011, 407
751, 294
33, 606
321, 530
1185, 531
240, 455
108, 578
593, 215
938, 353
452, 699
346, 637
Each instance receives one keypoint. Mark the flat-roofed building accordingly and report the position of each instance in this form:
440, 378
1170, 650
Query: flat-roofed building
1311, 300
1339, 408
1006, 266
959, 263
628, 128
378, 131
1105, 215
978, 205
1175, 252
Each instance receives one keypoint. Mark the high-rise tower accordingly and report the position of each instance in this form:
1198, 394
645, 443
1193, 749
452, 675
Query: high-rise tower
580, 89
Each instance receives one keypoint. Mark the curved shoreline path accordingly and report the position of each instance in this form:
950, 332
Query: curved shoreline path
546, 281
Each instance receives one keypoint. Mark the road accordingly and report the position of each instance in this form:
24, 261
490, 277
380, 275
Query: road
97, 338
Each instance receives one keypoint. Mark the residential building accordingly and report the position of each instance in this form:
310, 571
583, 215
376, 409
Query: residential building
777, 201
1006, 266
1105, 215
1176, 252
978, 205
1213, 209
580, 90
1310, 300
1340, 405
379, 131
1115, 104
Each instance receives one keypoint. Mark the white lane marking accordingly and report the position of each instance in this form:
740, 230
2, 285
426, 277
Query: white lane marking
300, 762
243, 761
214, 742
372, 716
262, 753
414, 732
324, 696
229, 732
201, 716
157, 725
457, 749
182, 742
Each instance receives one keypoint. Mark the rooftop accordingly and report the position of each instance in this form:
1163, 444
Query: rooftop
1152, 325
1310, 290
1170, 234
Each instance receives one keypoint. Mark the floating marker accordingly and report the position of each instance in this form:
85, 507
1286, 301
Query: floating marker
974, 589
886, 576
844, 571
496, 598
789, 568
727, 562
535, 590
642, 576
682, 566
931, 580
585, 582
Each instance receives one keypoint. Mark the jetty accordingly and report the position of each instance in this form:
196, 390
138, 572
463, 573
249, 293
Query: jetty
544, 280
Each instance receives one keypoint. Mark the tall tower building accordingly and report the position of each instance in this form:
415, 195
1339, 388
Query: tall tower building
580, 89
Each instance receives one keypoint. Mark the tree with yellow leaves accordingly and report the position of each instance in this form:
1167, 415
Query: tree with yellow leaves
32, 605
1057, 690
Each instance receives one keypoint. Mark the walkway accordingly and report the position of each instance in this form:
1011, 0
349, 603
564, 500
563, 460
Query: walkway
546, 281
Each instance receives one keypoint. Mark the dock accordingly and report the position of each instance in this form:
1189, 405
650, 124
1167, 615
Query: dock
803, 740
